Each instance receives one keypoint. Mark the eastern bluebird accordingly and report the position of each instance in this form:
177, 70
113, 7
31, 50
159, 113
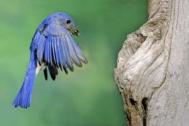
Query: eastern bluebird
52, 48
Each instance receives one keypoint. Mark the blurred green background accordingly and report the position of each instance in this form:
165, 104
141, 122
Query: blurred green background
87, 97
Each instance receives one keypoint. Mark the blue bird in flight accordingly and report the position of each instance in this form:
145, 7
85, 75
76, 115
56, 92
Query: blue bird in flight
52, 48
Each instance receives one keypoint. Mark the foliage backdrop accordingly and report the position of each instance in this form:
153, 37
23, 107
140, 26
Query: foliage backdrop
87, 97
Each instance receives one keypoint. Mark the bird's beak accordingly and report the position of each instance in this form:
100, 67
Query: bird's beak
73, 30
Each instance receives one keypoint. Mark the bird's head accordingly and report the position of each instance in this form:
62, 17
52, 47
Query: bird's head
68, 23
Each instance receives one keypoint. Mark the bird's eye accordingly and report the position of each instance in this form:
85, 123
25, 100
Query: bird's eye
68, 21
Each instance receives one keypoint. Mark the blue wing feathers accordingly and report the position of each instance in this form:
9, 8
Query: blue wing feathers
73, 54
62, 56
57, 47
60, 52
50, 50
57, 52
68, 56
40, 46
78, 52
53, 53
46, 52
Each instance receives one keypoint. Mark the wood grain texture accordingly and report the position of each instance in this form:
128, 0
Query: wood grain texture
152, 70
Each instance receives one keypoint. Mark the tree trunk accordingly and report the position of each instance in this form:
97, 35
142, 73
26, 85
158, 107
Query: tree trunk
152, 71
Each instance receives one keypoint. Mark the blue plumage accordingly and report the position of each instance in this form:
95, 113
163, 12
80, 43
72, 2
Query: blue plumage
24, 96
52, 48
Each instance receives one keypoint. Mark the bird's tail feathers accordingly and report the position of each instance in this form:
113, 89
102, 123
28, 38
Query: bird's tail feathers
24, 96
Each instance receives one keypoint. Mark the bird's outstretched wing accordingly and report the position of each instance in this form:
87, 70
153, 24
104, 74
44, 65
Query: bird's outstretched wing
56, 48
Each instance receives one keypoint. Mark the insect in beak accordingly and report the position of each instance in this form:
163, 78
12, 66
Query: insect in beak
76, 32
73, 29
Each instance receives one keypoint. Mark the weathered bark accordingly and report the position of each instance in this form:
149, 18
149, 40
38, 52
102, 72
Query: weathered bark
152, 71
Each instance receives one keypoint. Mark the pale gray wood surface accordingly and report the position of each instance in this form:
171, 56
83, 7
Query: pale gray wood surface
152, 70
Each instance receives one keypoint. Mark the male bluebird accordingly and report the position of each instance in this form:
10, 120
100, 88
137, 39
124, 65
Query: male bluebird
52, 48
